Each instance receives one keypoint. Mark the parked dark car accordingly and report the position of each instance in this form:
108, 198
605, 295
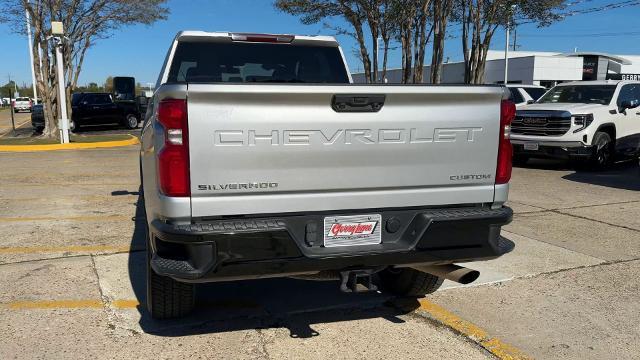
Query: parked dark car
37, 117
101, 109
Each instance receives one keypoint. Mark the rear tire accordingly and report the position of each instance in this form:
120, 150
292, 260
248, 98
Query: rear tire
131, 122
74, 127
166, 297
603, 154
409, 282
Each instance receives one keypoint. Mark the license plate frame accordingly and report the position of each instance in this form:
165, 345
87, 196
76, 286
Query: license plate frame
531, 146
352, 230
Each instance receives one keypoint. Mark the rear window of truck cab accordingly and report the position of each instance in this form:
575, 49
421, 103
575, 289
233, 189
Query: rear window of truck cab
245, 62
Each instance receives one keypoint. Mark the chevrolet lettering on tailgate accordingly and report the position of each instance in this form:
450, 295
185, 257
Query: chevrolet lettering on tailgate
344, 136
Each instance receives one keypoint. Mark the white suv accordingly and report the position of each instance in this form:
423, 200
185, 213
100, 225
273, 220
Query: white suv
525, 94
595, 121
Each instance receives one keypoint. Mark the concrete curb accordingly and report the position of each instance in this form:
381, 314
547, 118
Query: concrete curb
71, 146
480, 336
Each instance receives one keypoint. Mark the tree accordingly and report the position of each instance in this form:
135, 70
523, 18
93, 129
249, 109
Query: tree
85, 22
108, 84
371, 12
387, 26
403, 20
421, 38
313, 11
481, 18
441, 12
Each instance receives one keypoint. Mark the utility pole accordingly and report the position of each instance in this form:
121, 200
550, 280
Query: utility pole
57, 31
506, 55
32, 65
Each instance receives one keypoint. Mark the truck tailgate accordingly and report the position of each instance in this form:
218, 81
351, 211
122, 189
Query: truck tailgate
264, 149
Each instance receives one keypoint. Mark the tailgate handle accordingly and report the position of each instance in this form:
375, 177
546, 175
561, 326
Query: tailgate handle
357, 103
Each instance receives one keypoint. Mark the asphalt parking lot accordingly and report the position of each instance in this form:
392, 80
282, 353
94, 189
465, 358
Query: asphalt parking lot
72, 263
22, 121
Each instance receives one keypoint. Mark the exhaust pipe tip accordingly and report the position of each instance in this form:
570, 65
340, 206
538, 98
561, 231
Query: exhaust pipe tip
452, 272
469, 277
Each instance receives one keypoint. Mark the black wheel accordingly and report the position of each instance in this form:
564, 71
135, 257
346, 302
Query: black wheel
167, 298
74, 126
603, 153
520, 160
131, 122
409, 282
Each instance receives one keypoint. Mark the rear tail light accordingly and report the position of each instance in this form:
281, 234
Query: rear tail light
505, 150
173, 158
262, 38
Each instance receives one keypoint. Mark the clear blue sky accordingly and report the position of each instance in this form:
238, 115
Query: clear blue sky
139, 50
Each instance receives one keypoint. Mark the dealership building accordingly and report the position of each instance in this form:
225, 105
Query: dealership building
539, 68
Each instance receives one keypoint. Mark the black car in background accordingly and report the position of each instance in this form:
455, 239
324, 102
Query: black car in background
101, 109
37, 117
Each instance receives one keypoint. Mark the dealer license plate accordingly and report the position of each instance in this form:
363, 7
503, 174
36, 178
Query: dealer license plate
531, 146
352, 230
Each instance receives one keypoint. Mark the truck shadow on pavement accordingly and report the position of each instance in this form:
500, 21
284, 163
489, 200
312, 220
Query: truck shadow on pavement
624, 175
258, 304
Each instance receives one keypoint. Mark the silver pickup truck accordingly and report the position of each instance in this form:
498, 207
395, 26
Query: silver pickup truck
260, 159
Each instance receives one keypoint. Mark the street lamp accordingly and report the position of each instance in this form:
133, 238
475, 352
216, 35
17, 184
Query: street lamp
506, 44
32, 65
57, 31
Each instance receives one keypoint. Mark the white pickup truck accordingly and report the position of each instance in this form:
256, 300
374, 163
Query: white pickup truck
259, 159
22, 104
594, 121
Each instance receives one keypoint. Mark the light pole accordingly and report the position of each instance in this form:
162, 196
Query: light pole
506, 45
33, 73
12, 109
57, 31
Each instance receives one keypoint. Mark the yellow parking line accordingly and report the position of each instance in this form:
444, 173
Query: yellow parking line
494, 345
54, 249
71, 146
125, 304
66, 218
67, 304
53, 304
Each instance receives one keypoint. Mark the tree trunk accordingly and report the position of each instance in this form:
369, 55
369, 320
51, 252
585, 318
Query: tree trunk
373, 26
465, 40
407, 54
43, 67
421, 41
441, 10
385, 56
355, 20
